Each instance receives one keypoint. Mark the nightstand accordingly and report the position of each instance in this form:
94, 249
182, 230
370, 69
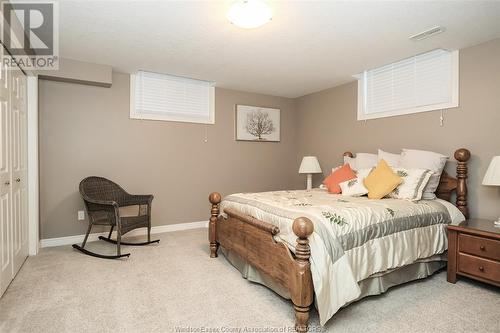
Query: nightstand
474, 251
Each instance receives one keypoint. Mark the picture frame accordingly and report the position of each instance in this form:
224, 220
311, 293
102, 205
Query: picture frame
256, 123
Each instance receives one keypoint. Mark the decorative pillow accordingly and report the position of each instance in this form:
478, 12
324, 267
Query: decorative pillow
363, 173
412, 187
355, 187
420, 159
362, 161
393, 160
336, 168
381, 181
341, 175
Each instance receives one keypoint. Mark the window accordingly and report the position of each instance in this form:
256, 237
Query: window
421, 83
156, 96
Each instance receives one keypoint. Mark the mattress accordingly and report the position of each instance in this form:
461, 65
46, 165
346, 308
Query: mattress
354, 238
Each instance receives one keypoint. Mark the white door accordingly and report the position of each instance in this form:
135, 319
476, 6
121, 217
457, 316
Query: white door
6, 267
19, 169
13, 173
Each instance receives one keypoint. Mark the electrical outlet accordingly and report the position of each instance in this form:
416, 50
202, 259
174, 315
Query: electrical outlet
81, 215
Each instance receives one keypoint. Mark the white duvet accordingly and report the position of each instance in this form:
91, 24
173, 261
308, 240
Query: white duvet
353, 237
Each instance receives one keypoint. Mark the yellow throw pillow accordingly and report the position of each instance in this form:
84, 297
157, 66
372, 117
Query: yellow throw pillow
381, 181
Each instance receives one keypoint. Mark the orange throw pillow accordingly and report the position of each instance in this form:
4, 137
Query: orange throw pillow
338, 176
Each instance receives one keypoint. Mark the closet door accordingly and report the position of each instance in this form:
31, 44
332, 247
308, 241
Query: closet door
6, 267
19, 169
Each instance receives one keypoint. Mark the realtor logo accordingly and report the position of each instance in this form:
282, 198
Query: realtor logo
31, 33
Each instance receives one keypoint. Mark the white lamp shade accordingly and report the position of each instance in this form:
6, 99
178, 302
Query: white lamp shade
492, 176
309, 164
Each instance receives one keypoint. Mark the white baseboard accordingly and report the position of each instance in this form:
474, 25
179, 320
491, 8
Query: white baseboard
50, 242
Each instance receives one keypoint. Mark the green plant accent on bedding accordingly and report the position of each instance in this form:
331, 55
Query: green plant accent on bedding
334, 218
342, 200
352, 182
391, 211
402, 173
303, 204
395, 191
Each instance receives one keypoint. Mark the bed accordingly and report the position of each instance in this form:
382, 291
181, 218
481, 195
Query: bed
312, 246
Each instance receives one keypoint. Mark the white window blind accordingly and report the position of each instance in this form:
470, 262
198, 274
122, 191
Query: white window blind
172, 98
421, 83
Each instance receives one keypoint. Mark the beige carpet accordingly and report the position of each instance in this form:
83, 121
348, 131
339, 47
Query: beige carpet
175, 287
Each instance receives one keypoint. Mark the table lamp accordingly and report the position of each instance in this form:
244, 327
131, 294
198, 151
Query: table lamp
492, 176
309, 166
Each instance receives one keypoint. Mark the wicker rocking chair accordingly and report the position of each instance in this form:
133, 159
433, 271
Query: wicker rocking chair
103, 200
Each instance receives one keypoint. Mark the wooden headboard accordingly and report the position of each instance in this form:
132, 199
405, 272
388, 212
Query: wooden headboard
449, 184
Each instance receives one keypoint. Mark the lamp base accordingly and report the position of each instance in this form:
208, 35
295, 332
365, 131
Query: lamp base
309, 181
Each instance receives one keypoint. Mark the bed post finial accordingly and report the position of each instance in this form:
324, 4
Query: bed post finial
302, 298
303, 228
214, 199
462, 156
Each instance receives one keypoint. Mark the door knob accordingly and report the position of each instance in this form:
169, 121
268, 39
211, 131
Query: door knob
481, 268
482, 248
18, 180
7, 183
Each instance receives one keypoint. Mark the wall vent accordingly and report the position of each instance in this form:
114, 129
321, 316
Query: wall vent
426, 34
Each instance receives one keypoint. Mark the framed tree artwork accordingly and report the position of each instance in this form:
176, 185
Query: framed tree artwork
254, 123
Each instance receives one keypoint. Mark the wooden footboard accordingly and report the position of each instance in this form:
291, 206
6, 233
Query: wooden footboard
253, 241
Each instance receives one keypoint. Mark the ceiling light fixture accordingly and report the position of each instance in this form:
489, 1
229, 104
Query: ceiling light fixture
249, 14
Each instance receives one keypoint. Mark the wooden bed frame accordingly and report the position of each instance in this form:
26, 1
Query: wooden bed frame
253, 241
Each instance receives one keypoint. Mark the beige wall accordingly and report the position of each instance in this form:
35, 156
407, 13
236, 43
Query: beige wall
328, 126
86, 130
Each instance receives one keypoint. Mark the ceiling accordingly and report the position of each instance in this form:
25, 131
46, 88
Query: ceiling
307, 47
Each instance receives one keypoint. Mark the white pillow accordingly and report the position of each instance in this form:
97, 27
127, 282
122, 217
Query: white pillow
355, 187
351, 161
394, 160
414, 182
420, 159
362, 161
